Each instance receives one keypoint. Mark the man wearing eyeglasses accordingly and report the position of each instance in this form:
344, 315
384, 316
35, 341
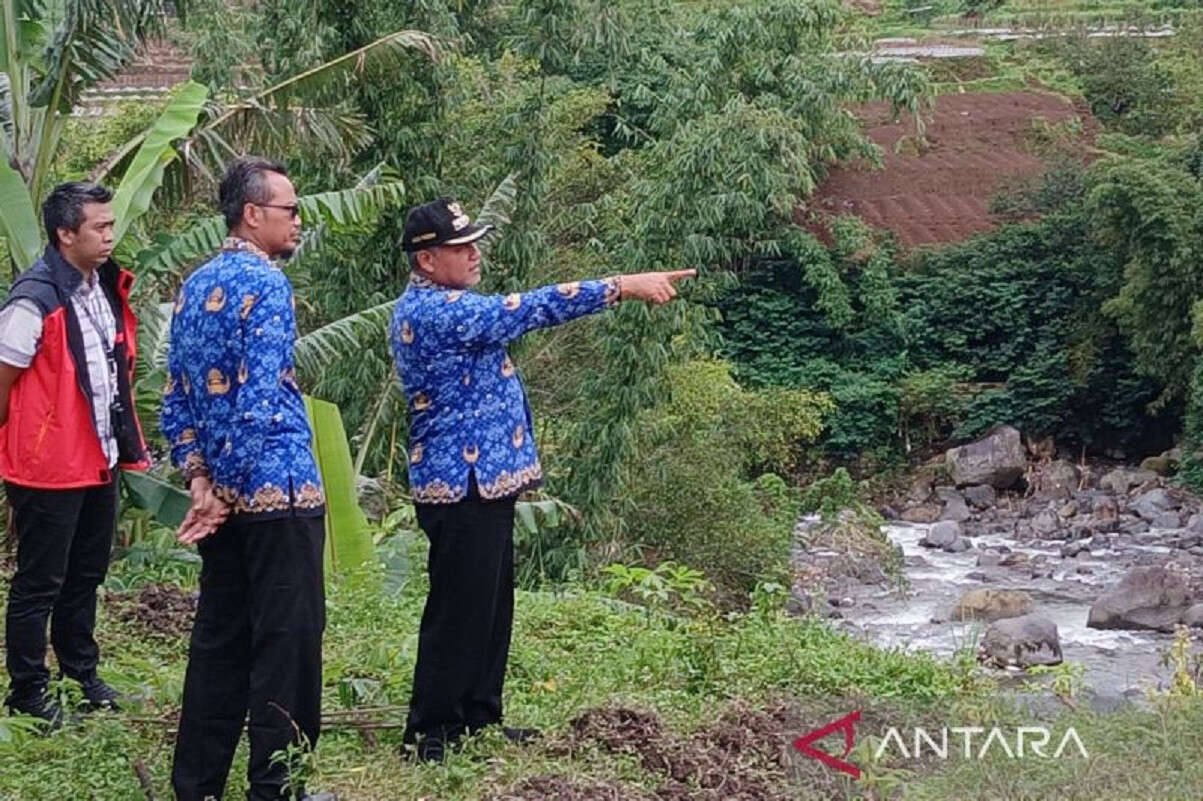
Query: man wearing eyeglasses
236, 422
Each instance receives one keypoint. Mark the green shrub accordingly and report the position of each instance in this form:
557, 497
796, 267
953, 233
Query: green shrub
1005, 328
1124, 83
691, 487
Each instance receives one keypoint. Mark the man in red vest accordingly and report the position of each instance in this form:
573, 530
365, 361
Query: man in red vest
67, 423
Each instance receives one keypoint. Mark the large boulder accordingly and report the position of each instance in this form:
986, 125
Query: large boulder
1046, 524
1148, 597
942, 534
1166, 520
997, 459
1151, 504
959, 545
1121, 479
1058, 479
955, 507
981, 496
991, 605
1021, 641
1193, 616
1160, 465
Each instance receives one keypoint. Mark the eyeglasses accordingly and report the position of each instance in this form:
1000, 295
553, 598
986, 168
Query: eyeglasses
293, 209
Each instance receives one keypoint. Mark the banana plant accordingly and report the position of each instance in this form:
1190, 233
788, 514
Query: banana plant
306, 112
51, 51
342, 338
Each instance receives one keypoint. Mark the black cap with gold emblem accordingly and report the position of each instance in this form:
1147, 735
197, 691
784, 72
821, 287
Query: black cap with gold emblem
439, 222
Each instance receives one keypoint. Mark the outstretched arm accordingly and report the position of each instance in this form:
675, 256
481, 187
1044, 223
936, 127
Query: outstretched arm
479, 320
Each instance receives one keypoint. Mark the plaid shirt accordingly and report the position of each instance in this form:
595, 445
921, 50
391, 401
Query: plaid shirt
99, 329
21, 333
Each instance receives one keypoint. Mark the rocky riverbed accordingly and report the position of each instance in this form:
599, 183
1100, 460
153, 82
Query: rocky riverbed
1025, 559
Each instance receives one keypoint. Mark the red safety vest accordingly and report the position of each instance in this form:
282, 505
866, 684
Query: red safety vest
50, 440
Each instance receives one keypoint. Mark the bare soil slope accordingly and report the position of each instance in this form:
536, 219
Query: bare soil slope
977, 141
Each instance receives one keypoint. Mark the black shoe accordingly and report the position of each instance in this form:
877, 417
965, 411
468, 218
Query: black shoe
516, 736
99, 695
521, 736
38, 704
431, 749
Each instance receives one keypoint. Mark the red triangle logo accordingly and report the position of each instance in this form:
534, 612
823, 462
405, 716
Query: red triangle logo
847, 724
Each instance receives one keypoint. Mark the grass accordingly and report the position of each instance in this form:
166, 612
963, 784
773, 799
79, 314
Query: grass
759, 678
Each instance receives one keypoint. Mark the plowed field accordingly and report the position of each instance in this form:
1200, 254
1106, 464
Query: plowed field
977, 140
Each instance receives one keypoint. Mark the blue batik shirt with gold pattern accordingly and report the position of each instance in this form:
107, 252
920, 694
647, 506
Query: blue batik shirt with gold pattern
468, 408
232, 409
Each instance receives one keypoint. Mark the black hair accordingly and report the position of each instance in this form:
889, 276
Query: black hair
64, 206
245, 182
413, 261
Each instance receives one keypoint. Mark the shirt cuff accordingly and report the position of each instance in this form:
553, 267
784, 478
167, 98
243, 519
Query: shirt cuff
613, 291
227, 495
194, 466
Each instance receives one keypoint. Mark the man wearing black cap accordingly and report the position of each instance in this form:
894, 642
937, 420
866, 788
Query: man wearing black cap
471, 453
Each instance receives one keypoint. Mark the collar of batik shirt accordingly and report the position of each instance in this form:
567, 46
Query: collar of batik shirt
238, 243
418, 281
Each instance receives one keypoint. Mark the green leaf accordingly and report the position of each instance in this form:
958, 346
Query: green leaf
526, 517
308, 108
318, 349
166, 502
348, 536
145, 173
18, 222
360, 206
93, 41
394, 555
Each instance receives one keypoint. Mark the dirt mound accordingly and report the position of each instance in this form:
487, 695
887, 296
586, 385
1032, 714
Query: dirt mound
158, 609
745, 754
941, 193
741, 756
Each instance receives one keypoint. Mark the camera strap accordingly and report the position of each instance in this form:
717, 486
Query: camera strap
109, 345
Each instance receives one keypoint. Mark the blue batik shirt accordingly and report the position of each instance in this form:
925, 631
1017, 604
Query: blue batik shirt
232, 409
468, 410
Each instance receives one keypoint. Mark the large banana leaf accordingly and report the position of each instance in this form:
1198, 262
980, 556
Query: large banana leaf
166, 502
340, 339
17, 220
349, 207
348, 536
145, 173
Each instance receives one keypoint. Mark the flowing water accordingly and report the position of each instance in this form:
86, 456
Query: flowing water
1118, 664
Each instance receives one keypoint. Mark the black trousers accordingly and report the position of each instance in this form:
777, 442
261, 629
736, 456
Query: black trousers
256, 646
64, 539
464, 640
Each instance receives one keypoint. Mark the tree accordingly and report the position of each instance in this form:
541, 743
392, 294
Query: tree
1147, 212
50, 53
